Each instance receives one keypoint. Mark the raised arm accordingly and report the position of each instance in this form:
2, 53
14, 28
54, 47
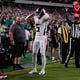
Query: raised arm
67, 18
46, 14
31, 15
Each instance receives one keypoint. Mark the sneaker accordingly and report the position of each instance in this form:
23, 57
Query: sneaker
2, 76
53, 58
20, 67
17, 67
42, 72
66, 65
58, 60
33, 72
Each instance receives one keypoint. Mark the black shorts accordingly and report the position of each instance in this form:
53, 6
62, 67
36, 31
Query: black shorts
17, 49
54, 44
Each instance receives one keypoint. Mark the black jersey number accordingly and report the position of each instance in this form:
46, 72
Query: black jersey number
37, 29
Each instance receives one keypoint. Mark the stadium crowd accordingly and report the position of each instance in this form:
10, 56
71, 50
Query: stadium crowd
58, 31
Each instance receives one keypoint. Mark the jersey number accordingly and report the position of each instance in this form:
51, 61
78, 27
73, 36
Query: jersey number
37, 29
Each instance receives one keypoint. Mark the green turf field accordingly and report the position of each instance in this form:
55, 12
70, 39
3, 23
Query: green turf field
54, 71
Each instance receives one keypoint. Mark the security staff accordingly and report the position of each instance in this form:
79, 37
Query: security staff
65, 38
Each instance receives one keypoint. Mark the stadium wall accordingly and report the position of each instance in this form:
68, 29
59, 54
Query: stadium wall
43, 3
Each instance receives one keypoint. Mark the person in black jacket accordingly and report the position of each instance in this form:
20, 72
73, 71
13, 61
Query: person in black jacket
75, 40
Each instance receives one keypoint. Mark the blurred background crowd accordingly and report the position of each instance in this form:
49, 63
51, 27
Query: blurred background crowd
8, 13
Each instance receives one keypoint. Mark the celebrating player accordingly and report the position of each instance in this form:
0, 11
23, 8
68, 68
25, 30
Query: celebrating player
40, 21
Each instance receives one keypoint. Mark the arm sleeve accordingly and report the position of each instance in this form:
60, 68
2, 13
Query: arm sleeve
12, 28
46, 16
59, 30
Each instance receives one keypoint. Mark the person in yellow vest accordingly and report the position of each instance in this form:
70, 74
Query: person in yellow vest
65, 39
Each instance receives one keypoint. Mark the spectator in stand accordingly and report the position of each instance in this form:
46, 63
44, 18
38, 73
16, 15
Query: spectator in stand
8, 21
3, 20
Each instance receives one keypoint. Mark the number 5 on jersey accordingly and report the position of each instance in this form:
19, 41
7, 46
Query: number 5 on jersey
37, 29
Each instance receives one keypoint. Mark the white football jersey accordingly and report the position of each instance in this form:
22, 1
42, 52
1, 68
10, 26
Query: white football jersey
40, 24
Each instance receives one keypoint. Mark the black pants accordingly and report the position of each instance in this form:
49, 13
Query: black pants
75, 48
64, 51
